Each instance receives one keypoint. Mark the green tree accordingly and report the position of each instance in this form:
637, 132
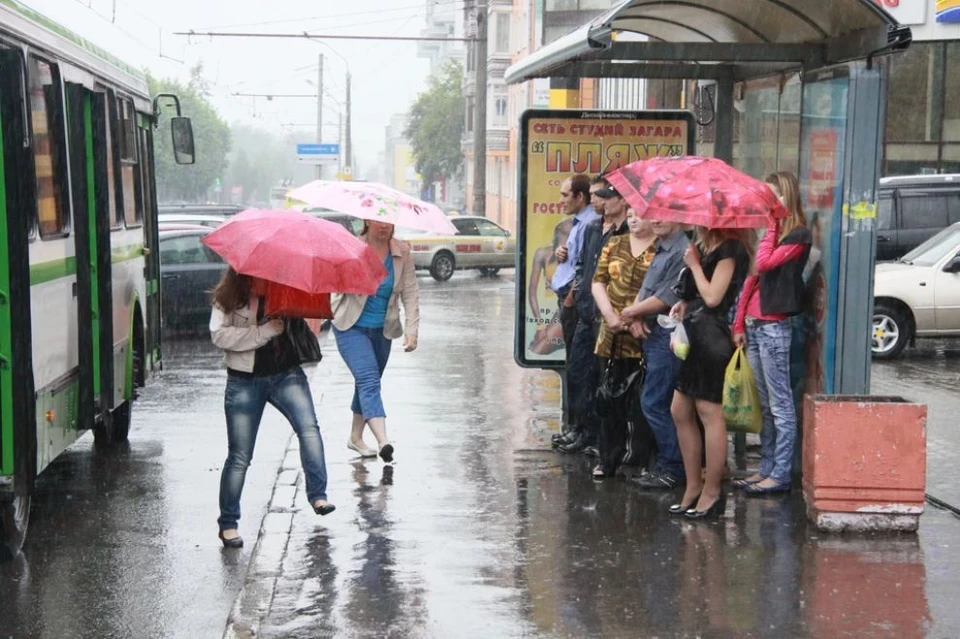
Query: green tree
191, 183
436, 125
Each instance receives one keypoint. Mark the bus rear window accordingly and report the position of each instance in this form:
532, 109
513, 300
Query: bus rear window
49, 148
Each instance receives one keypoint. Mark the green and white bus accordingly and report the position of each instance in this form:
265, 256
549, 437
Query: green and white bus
79, 267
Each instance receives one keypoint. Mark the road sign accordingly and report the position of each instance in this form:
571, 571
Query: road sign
318, 154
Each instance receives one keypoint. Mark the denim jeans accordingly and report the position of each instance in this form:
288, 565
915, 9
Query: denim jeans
768, 351
365, 351
662, 370
583, 376
244, 401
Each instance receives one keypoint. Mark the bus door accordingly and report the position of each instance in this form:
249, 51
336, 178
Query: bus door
151, 241
18, 425
86, 127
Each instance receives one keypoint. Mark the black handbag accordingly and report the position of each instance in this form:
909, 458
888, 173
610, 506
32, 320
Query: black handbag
305, 343
620, 383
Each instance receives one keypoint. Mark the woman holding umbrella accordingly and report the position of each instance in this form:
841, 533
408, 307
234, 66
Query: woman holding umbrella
262, 367
365, 325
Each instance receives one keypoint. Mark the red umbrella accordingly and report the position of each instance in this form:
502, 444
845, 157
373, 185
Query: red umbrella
695, 190
299, 251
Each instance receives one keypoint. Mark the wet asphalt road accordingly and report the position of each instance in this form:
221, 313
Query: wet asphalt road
477, 530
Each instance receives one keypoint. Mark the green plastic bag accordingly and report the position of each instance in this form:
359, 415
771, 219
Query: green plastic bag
741, 403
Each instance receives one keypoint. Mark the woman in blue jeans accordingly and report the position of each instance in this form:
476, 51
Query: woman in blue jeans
770, 298
262, 368
365, 325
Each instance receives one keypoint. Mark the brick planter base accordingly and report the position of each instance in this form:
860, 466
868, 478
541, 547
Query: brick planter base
864, 462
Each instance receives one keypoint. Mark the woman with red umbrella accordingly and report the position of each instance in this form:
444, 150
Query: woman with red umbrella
263, 367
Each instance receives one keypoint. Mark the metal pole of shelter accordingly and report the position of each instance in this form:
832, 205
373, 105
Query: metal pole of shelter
480, 115
320, 111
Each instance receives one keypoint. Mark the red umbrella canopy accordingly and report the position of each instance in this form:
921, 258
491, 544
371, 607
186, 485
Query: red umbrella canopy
298, 250
696, 190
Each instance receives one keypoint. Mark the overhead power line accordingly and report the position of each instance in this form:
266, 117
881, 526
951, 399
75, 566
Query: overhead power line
316, 36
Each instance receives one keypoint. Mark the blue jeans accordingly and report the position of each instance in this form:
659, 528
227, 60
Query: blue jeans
244, 401
365, 351
768, 351
658, 386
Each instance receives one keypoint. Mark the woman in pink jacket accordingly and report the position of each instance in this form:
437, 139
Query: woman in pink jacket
771, 296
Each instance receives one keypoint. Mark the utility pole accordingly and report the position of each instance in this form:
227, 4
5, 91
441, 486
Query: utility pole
348, 150
480, 114
320, 112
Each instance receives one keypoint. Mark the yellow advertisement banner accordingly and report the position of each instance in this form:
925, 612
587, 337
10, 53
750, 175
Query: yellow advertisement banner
554, 146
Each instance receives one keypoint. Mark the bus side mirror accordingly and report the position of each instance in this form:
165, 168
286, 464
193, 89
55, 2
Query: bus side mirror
182, 129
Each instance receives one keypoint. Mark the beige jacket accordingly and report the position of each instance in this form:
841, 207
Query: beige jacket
239, 336
347, 308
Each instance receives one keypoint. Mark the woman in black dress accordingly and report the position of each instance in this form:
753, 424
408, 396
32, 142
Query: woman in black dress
717, 266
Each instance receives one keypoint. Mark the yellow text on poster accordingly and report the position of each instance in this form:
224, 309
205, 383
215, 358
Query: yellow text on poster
556, 146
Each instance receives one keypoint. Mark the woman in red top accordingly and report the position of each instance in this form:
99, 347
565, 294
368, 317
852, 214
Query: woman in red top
771, 295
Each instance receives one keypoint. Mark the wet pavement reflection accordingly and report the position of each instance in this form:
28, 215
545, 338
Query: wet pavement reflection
477, 530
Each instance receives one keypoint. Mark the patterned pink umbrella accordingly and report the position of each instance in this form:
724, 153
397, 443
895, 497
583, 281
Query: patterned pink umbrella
374, 201
696, 190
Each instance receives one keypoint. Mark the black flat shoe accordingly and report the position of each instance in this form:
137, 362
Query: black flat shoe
714, 511
235, 542
386, 452
326, 509
680, 509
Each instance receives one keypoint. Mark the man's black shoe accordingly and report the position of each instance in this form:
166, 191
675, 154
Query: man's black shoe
592, 451
659, 481
565, 439
576, 446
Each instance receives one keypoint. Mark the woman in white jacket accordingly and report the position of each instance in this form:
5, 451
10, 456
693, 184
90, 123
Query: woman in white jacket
262, 367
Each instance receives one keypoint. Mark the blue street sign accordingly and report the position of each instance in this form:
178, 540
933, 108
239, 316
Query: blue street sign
318, 154
318, 149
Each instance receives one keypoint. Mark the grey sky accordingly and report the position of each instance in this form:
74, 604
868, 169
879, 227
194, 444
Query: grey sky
386, 75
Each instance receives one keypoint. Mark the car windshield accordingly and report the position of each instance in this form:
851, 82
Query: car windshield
934, 249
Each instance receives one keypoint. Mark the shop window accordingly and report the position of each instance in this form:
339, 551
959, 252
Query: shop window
914, 97
951, 158
49, 148
951, 103
911, 159
129, 171
923, 211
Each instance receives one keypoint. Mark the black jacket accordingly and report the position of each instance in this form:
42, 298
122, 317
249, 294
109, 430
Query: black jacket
782, 290
594, 239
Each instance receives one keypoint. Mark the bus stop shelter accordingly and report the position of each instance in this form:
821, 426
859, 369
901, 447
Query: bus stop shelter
834, 45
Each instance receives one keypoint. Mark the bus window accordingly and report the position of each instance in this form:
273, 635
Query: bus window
49, 148
129, 173
116, 220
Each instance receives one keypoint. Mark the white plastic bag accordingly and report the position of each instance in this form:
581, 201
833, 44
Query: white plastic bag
679, 342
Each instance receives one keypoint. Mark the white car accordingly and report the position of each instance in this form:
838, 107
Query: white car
479, 243
918, 295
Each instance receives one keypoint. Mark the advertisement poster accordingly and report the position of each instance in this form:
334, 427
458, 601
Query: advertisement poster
555, 145
823, 137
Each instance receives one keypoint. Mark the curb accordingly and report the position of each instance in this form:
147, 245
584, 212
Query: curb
266, 561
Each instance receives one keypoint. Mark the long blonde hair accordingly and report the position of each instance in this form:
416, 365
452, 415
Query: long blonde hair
785, 184
709, 239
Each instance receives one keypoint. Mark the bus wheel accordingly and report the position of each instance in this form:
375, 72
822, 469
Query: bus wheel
14, 516
116, 426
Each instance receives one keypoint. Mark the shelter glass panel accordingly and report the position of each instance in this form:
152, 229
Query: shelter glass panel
951, 103
911, 159
914, 95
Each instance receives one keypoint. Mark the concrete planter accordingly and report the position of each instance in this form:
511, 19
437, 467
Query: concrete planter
864, 462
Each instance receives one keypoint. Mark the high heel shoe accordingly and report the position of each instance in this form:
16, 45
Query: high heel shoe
231, 542
680, 509
716, 509
325, 509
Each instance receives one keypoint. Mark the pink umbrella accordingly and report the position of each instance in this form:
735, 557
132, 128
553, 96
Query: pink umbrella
374, 201
299, 251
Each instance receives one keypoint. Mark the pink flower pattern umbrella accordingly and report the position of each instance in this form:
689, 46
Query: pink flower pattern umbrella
374, 201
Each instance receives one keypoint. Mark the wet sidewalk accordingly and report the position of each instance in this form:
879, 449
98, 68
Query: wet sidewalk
479, 530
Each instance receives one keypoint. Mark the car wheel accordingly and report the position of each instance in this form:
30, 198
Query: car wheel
489, 271
891, 331
442, 267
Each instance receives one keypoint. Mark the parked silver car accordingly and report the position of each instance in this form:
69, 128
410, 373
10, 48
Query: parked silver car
479, 244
